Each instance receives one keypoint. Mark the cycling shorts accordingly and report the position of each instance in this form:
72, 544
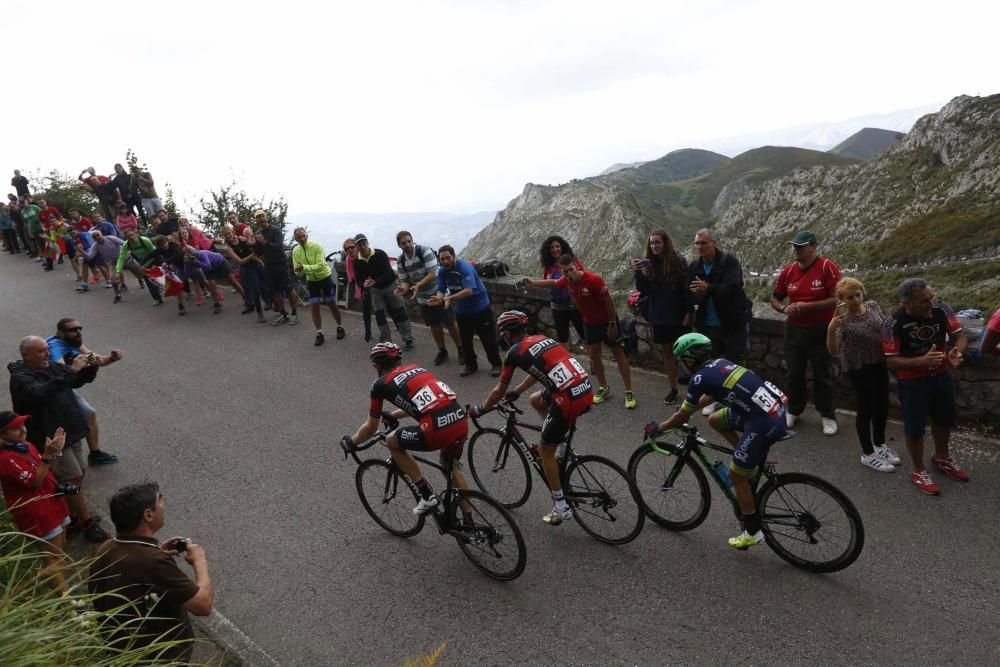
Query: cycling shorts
757, 435
322, 291
564, 407
444, 430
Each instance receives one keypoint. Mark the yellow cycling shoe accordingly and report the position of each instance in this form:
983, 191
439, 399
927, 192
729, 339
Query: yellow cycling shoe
745, 540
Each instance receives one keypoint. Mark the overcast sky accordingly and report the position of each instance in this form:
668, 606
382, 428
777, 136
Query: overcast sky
454, 106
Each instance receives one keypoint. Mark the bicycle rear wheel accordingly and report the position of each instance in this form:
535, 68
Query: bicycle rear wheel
388, 498
499, 468
604, 499
808, 522
487, 535
674, 493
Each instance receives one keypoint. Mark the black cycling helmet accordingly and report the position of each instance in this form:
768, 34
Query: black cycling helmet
510, 320
385, 354
695, 348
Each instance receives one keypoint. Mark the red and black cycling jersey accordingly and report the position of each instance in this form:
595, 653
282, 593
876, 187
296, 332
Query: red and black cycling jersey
545, 360
413, 389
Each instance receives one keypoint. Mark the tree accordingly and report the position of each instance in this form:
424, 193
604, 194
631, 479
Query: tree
216, 203
64, 192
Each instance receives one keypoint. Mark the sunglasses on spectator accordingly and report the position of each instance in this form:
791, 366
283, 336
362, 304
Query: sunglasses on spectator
349, 248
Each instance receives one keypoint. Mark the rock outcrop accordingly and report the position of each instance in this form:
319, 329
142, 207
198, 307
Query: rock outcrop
914, 202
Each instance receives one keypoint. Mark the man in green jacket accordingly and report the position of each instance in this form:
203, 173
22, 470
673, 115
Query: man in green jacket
32, 223
133, 254
309, 262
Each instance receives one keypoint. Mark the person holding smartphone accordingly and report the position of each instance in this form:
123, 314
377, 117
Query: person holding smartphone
855, 336
660, 276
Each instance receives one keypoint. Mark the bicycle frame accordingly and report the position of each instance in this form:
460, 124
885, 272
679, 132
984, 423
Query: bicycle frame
511, 433
697, 446
441, 513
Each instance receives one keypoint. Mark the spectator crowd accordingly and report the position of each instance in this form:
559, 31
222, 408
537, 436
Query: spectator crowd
129, 243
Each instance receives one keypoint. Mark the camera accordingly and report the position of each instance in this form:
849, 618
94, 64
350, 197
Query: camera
66, 489
181, 544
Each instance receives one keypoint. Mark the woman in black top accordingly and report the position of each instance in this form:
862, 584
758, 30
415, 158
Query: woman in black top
660, 276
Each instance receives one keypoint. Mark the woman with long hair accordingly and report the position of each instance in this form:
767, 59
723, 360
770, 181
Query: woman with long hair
661, 277
855, 335
564, 311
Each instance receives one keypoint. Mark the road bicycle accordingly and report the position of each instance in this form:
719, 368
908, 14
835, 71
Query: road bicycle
603, 497
484, 530
806, 520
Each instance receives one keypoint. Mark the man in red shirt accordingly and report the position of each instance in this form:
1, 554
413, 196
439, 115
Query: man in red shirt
600, 322
29, 487
916, 340
810, 285
991, 337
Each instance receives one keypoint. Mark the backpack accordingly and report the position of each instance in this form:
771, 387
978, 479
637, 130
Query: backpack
629, 335
492, 268
418, 258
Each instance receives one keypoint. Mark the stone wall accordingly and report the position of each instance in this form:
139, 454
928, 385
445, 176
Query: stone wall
977, 381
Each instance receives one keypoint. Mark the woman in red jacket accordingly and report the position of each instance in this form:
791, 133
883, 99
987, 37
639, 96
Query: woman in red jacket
29, 489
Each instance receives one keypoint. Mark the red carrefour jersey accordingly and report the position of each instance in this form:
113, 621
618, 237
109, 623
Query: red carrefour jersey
907, 336
33, 512
589, 294
816, 283
545, 360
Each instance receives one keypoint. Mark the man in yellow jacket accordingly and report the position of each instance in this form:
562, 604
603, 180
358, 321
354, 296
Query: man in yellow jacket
309, 262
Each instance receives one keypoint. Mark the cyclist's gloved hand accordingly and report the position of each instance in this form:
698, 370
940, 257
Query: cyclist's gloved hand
476, 411
511, 396
652, 429
347, 444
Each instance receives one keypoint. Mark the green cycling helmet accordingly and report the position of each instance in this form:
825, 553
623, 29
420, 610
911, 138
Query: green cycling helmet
693, 347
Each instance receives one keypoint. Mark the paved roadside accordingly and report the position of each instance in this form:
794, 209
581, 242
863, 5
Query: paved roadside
239, 423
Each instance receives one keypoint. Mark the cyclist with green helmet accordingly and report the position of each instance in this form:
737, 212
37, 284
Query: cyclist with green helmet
752, 420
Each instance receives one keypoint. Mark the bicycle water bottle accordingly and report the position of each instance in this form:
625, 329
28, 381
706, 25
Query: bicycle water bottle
722, 472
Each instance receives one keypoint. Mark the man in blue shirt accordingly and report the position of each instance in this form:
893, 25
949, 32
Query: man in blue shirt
64, 347
459, 285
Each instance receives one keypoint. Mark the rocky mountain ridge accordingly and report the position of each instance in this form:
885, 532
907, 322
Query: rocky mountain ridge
920, 200
932, 195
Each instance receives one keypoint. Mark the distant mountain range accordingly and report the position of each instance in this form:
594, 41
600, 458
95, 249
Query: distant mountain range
814, 136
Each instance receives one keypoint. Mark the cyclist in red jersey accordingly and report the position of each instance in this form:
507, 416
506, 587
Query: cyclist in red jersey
566, 394
441, 422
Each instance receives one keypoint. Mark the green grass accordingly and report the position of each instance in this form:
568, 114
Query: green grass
953, 231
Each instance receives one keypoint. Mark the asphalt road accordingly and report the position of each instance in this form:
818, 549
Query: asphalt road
238, 422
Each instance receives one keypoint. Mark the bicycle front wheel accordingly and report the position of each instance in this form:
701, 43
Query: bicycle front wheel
388, 498
604, 499
499, 468
808, 522
674, 493
487, 535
